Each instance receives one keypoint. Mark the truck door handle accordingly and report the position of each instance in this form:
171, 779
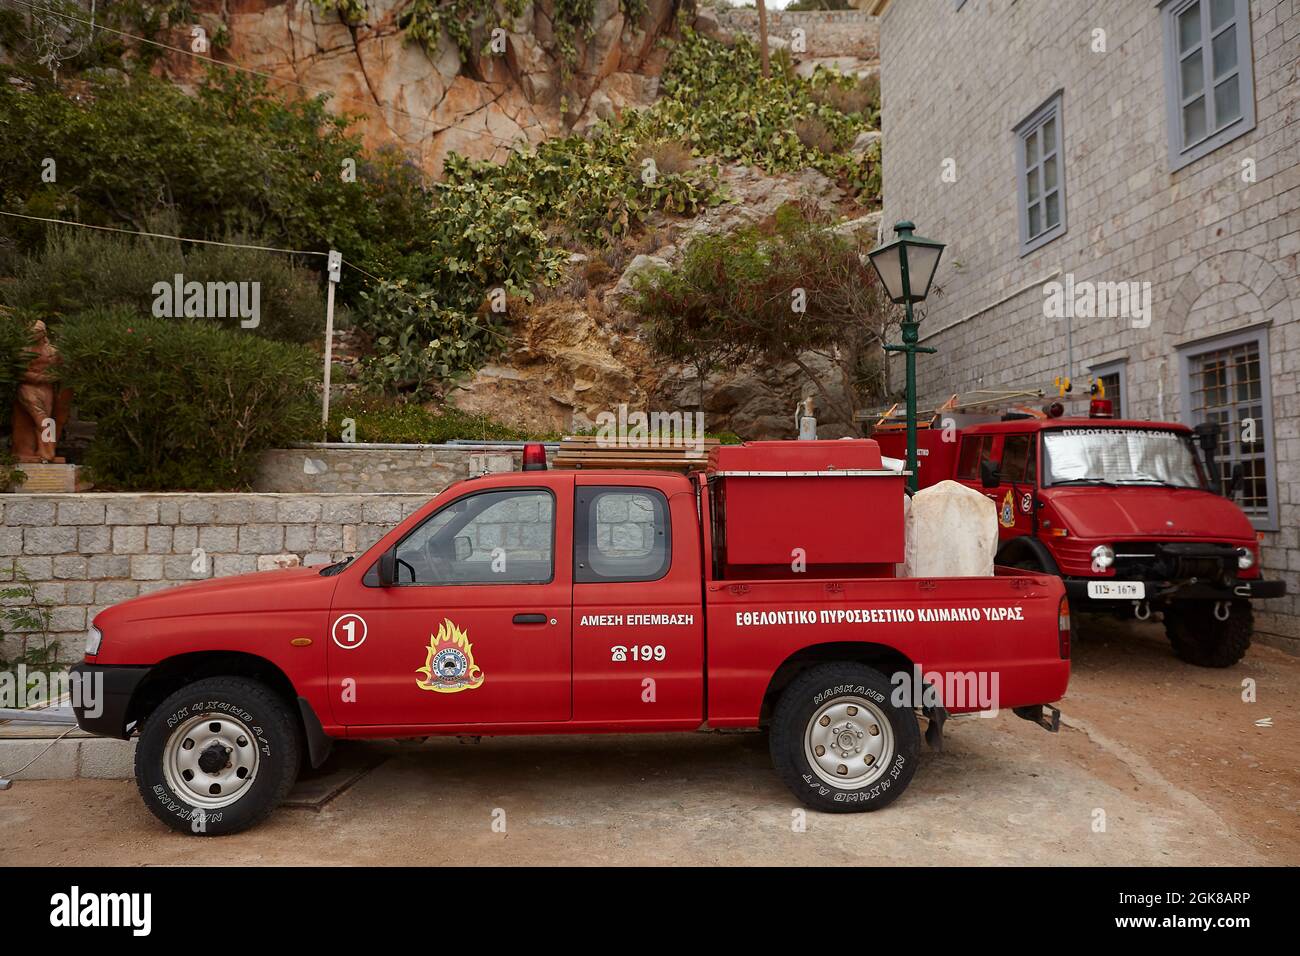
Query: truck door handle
530, 618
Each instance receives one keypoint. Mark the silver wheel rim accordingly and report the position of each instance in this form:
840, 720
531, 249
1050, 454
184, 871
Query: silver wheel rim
211, 760
849, 743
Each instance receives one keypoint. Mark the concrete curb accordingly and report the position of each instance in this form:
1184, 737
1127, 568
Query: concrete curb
72, 758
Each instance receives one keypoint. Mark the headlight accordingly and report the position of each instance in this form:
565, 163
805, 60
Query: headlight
93, 637
1103, 556
1245, 558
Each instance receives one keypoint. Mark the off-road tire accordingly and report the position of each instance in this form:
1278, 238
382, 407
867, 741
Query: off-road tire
1199, 638
274, 733
812, 691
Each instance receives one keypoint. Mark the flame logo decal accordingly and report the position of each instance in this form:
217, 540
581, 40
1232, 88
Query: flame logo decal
449, 664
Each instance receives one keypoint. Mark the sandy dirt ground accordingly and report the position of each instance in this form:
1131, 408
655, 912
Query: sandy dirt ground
1157, 763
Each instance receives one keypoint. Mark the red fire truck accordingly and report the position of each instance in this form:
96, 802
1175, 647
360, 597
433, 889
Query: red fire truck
1125, 511
760, 593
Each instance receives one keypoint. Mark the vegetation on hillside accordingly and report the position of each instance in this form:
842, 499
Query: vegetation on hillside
772, 293
88, 134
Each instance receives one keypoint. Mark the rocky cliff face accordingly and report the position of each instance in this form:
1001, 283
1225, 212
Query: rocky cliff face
578, 352
431, 102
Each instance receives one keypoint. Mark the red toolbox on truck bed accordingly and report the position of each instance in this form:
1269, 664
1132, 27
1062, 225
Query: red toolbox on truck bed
835, 500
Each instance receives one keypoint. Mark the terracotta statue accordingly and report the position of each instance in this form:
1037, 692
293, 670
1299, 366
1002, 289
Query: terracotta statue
40, 410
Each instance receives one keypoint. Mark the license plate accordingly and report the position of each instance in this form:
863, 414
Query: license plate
1117, 590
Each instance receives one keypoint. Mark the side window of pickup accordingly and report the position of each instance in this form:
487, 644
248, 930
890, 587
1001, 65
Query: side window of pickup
1018, 459
620, 534
974, 449
496, 537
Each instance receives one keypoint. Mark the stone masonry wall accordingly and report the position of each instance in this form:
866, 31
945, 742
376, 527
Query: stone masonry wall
84, 552
1221, 253
827, 33
338, 467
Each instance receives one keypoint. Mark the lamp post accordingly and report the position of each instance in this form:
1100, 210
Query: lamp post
906, 269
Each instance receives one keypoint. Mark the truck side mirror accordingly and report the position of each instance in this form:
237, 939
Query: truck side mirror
1207, 434
464, 547
989, 476
1238, 480
387, 568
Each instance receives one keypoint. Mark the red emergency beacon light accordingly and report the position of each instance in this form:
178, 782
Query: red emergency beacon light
1100, 408
534, 457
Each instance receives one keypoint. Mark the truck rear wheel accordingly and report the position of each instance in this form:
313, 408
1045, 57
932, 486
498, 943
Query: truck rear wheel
217, 756
1199, 637
839, 743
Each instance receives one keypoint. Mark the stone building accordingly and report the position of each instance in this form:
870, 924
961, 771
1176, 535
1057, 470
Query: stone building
1140, 162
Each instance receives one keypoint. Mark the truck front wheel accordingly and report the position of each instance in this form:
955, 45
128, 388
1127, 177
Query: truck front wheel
839, 742
217, 756
1199, 637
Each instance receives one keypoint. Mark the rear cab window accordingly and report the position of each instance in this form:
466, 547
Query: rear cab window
974, 449
620, 533
1019, 462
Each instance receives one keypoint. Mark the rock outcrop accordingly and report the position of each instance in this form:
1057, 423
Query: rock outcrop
515, 88
573, 359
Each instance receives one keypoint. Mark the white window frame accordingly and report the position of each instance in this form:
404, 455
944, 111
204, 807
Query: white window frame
1181, 154
1050, 109
1267, 521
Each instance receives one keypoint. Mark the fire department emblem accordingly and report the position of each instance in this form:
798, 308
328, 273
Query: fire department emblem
1007, 514
449, 664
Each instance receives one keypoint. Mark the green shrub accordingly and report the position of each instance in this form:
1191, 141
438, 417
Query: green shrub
232, 158
15, 340
419, 343
179, 404
378, 419
771, 293
81, 270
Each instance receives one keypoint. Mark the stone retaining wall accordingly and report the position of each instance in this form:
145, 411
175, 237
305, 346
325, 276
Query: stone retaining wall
826, 33
84, 552
341, 467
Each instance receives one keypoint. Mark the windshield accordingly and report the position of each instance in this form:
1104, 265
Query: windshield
1119, 456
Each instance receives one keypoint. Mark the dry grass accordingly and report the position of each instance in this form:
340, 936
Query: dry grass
814, 134
670, 157
862, 97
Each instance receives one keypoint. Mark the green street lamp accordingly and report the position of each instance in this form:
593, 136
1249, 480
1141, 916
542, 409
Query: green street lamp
906, 268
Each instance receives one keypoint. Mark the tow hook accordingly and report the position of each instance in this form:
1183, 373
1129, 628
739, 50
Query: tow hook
1142, 610
1051, 721
1222, 610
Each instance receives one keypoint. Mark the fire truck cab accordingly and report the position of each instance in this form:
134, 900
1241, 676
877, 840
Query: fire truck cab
1125, 511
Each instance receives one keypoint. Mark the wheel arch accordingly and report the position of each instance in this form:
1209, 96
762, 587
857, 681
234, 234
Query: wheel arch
173, 673
884, 658
1027, 547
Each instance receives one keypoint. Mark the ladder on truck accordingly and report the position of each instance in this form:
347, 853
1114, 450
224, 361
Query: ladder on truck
981, 401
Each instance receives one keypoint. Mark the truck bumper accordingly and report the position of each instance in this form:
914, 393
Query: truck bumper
105, 696
1163, 592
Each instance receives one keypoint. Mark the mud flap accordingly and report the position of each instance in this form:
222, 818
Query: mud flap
1050, 721
937, 716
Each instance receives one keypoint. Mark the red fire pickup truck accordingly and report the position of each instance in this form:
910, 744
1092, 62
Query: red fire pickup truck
1126, 512
578, 602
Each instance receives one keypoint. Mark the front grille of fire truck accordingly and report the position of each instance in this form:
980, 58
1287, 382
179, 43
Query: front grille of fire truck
1177, 561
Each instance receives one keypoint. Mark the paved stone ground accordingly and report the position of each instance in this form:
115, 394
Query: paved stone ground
1170, 753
